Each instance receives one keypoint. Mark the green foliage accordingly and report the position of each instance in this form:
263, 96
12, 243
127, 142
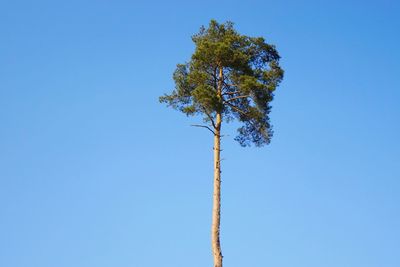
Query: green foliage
229, 74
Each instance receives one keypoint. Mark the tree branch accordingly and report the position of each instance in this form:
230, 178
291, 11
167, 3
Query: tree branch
243, 112
231, 93
209, 116
203, 126
236, 97
237, 109
230, 85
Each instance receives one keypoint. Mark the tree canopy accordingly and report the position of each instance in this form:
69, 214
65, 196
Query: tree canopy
232, 75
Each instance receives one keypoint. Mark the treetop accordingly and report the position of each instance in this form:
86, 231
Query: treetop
230, 75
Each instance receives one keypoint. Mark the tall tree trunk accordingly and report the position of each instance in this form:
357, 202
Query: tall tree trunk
216, 215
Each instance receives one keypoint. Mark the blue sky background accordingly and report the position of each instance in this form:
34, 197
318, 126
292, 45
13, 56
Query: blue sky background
94, 172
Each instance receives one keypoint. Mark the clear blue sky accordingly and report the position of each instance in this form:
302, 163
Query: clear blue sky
94, 172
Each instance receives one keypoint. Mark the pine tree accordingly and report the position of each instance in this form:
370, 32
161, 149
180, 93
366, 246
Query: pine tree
229, 77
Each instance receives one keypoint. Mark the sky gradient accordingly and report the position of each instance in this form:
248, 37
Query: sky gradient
94, 172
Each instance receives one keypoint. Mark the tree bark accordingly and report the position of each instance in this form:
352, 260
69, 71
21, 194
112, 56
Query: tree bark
216, 214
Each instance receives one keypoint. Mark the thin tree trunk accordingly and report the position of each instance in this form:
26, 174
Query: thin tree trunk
216, 214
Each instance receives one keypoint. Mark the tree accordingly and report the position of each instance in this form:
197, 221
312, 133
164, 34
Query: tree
229, 77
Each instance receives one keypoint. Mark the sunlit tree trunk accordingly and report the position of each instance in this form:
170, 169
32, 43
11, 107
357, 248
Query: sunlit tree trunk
216, 214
